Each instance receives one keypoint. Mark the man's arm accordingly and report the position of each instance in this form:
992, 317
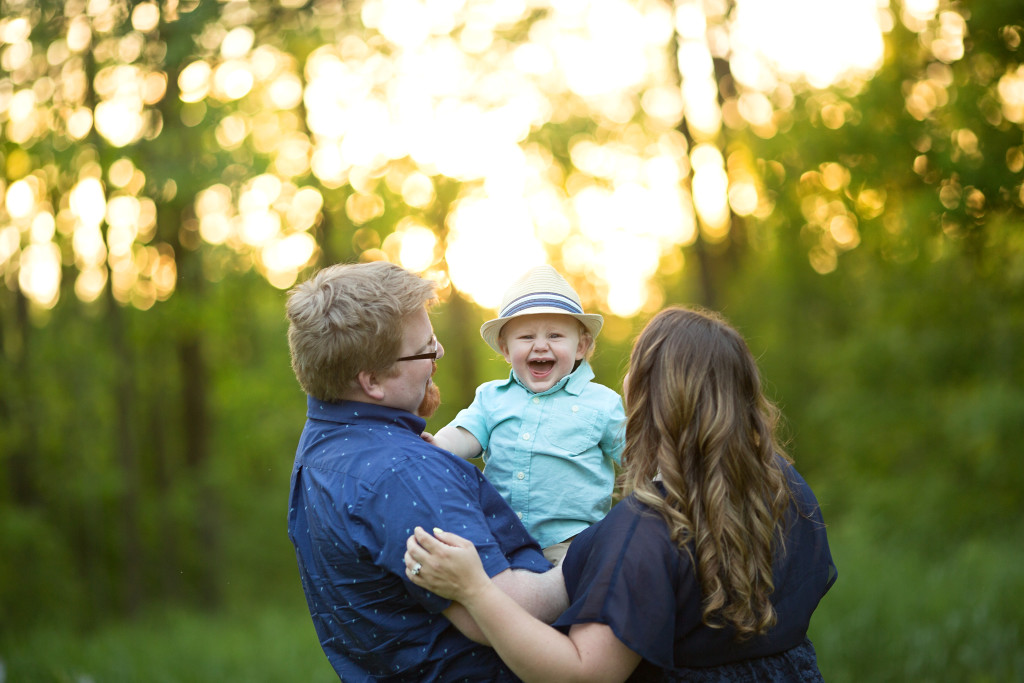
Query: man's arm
542, 595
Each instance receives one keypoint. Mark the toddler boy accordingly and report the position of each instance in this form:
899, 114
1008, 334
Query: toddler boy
549, 436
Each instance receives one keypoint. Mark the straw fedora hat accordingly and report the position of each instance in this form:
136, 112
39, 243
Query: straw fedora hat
541, 290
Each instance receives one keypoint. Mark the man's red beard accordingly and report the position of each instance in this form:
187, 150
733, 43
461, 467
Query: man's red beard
431, 400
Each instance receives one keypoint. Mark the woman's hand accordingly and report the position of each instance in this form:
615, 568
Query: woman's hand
444, 563
449, 565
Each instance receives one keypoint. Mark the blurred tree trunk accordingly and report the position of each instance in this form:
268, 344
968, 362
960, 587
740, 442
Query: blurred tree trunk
169, 560
16, 413
716, 262
126, 442
124, 579
184, 167
461, 339
196, 426
194, 374
705, 266
460, 344
328, 254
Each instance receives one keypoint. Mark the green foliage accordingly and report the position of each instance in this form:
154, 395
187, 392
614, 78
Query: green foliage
906, 378
145, 455
36, 566
897, 614
900, 611
116, 500
264, 642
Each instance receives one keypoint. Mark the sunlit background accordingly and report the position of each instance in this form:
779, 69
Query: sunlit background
842, 179
411, 96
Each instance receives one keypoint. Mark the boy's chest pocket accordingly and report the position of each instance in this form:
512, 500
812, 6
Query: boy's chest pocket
569, 429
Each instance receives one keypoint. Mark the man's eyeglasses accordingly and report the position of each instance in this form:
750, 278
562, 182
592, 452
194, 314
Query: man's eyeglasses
432, 354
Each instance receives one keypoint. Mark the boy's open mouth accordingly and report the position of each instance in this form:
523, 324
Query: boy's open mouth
541, 367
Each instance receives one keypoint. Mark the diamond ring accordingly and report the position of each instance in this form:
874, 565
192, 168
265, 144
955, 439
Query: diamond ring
416, 569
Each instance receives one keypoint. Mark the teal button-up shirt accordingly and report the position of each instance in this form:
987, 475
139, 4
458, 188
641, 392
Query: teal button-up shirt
550, 455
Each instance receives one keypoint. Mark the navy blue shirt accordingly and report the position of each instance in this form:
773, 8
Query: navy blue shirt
363, 479
626, 572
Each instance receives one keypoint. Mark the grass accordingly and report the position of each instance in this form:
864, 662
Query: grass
902, 613
898, 612
262, 643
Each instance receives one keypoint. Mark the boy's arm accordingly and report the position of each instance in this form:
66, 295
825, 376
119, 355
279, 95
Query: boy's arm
459, 441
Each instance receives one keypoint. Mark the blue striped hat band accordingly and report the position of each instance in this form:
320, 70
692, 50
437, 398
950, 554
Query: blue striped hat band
538, 299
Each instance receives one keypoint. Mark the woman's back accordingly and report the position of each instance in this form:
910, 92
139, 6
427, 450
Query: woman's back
626, 572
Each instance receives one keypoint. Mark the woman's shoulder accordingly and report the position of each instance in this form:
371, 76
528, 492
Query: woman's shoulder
802, 495
634, 511
627, 526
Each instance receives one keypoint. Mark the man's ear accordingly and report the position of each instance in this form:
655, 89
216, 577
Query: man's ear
370, 385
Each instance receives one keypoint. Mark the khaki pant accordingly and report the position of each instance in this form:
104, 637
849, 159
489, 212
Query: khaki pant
556, 553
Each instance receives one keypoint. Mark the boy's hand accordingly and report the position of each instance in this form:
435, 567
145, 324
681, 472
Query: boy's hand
427, 436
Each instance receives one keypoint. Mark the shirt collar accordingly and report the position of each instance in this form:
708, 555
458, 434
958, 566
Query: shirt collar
574, 383
355, 412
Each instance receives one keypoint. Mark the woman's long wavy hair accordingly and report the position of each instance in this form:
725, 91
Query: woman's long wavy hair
697, 420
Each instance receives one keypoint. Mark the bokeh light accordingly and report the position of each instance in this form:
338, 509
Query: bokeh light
423, 127
820, 41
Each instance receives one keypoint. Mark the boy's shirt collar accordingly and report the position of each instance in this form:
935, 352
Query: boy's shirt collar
574, 383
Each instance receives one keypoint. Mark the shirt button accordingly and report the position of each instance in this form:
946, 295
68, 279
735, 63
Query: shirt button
519, 515
536, 400
575, 409
521, 475
526, 436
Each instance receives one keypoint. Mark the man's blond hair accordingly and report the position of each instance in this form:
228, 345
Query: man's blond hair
350, 318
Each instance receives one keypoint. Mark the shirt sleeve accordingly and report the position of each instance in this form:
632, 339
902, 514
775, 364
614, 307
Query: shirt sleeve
613, 440
474, 418
624, 572
430, 490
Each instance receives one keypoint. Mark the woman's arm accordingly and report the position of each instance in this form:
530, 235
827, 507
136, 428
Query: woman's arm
541, 594
450, 567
